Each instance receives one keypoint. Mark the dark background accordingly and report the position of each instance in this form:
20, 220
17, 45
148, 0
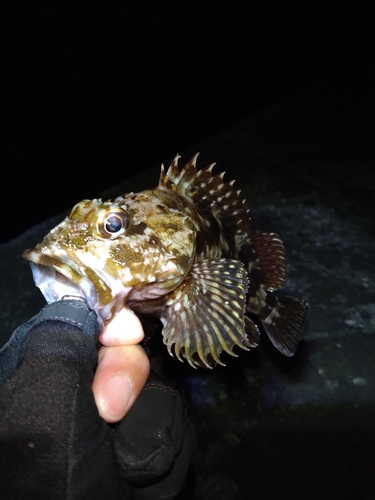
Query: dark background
95, 91
280, 94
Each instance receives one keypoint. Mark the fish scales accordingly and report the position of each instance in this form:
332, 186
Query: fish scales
185, 252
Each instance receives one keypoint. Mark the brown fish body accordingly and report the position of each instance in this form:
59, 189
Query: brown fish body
184, 251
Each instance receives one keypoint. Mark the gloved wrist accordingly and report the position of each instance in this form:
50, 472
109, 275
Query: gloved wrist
73, 311
70, 310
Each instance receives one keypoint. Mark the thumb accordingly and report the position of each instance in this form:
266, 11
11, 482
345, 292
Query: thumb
121, 373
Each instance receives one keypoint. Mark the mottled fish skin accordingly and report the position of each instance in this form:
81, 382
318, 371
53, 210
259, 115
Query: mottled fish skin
185, 252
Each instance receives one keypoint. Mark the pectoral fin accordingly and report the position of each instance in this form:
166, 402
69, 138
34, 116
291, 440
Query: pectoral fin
205, 314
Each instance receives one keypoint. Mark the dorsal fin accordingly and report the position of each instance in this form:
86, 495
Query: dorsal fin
209, 192
176, 179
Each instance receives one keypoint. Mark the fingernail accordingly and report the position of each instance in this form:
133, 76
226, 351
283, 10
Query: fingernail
116, 397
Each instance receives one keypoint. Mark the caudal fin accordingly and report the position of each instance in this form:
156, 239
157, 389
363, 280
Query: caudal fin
285, 322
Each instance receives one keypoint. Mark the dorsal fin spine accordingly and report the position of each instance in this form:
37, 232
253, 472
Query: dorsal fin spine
210, 192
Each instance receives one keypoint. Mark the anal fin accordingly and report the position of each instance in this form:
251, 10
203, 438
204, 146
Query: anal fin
284, 323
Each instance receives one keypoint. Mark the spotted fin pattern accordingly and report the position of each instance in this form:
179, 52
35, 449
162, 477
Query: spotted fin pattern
216, 291
211, 194
262, 254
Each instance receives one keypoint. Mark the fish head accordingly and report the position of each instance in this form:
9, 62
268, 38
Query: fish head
109, 252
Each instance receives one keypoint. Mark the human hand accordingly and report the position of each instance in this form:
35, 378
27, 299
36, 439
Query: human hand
46, 401
123, 366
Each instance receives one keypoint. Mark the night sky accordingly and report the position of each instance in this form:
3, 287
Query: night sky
94, 92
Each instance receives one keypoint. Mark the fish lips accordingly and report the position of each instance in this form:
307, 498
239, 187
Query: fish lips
59, 276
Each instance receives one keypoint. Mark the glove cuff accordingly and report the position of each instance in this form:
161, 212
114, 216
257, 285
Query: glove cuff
71, 310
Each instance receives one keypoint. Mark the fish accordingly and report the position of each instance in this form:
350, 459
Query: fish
185, 252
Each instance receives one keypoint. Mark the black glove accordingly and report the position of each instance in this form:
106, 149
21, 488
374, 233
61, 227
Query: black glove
53, 443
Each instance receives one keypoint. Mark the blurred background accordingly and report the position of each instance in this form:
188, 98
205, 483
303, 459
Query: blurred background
94, 92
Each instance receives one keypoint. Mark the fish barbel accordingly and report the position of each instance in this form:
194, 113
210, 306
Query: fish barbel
184, 252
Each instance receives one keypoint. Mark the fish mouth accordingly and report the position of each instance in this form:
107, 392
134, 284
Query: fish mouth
57, 278
58, 274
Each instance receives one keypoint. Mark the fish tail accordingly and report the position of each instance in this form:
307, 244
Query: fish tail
284, 322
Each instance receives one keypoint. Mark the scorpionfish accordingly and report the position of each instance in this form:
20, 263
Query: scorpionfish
185, 252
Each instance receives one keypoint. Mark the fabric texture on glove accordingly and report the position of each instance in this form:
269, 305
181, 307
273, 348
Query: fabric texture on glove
54, 444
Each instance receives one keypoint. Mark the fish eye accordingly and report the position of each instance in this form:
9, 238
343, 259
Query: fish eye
113, 224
